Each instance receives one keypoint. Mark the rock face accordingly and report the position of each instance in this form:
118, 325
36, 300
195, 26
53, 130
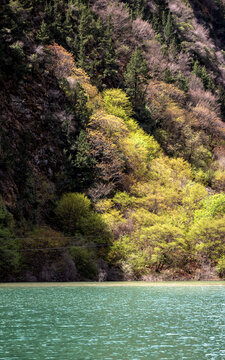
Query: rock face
107, 273
32, 140
207, 272
64, 270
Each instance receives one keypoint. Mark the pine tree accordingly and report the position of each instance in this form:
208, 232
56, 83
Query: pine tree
81, 111
202, 73
68, 23
221, 92
86, 38
136, 7
155, 22
136, 76
169, 29
168, 77
48, 9
57, 22
206, 79
80, 163
139, 8
164, 19
43, 34
196, 68
109, 66
174, 47
81, 31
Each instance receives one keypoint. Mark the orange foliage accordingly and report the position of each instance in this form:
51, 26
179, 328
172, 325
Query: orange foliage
63, 62
63, 66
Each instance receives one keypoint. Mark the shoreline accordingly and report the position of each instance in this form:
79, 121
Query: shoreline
114, 284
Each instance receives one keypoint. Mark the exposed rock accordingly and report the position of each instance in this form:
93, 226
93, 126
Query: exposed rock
64, 270
29, 277
207, 272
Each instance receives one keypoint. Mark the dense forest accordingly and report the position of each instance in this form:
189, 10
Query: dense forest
112, 140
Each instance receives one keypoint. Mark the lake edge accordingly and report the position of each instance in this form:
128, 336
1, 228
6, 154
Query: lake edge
113, 284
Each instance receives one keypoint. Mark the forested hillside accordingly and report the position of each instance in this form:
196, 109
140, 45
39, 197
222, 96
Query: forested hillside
112, 140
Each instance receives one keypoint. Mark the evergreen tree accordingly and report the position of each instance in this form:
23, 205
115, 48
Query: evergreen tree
43, 34
57, 21
81, 30
201, 72
68, 21
48, 9
164, 19
206, 79
137, 8
169, 29
221, 92
87, 40
136, 76
156, 22
196, 68
168, 77
79, 164
109, 66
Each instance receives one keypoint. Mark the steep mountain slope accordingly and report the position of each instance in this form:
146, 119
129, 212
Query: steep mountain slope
112, 140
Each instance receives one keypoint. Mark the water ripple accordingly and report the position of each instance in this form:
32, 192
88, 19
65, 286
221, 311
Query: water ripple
116, 323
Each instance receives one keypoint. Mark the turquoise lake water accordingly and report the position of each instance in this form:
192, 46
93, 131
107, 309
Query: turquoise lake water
117, 322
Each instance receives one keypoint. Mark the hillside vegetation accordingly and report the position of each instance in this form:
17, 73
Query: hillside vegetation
112, 140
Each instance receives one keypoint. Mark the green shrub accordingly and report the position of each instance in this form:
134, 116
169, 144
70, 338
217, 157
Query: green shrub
207, 235
212, 206
85, 261
71, 209
44, 245
75, 215
9, 256
220, 268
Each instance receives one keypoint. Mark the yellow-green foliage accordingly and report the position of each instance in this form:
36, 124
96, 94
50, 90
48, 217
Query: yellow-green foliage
111, 125
93, 96
212, 206
193, 194
218, 180
154, 226
176, 171
117, 103
113, 219
75, 216
208, 237
157, 207
220, 268
183, 130
135, 146
175, 113
145, 143
71, 208
138, 149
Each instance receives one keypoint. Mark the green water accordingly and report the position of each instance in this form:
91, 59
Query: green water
121, 322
